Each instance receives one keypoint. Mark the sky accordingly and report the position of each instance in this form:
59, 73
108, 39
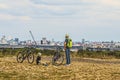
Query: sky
93, 20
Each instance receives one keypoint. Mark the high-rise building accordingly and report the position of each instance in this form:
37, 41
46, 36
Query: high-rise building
17, 40
83, 41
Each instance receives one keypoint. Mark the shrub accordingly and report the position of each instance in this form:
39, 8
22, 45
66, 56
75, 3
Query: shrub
98, 54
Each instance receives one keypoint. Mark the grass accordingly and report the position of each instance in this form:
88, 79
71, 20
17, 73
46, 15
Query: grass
81, 69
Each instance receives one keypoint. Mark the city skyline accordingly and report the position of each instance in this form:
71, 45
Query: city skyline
10, 38
89, 19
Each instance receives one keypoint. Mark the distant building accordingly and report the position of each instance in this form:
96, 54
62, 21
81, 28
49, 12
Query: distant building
3, 40
22, 43
17, 40
44, 40
12, 42
28, 42
83, 41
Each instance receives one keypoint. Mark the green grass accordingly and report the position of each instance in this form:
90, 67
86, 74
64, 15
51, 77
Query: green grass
80, 53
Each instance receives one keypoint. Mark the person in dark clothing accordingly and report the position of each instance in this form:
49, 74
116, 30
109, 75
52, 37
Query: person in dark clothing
38, 59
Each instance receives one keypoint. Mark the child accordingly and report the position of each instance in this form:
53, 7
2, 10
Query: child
38, 59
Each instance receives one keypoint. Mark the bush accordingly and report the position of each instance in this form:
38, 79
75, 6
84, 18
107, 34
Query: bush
98, 54
47, 52
80, 53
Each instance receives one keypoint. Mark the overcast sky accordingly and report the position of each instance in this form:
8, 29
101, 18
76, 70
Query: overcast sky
94, 20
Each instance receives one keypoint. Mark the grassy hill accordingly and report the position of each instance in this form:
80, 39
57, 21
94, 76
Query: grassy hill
80, 69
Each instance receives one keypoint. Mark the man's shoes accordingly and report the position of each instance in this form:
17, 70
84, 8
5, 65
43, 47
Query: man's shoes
67, 64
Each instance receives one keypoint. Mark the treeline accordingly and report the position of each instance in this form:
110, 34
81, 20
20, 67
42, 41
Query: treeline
79, 53
98, 54
13, 52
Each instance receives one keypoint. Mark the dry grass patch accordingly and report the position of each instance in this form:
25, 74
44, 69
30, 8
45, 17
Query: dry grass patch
78, 70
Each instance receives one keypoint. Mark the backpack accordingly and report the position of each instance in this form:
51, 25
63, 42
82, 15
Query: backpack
69, 44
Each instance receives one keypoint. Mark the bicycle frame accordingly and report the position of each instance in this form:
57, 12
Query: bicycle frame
58, 57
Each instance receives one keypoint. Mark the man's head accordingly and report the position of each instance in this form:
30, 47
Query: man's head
66, 36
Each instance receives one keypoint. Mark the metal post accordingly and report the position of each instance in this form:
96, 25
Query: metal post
33, 38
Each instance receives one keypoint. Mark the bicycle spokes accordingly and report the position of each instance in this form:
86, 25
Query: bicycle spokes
57, 59
30, 58
20, 57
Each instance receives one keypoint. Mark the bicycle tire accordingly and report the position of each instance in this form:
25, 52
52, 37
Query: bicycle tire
30, 58
20, 57
58, 61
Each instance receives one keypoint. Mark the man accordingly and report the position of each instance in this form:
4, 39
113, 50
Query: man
67, 49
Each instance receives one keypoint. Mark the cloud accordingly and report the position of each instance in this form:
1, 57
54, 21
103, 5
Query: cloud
60, 7
24, 18
114, 3
49, 7
80, 9
28, 7
53, 10
82, 17
12, 17
3, 6
57, 2
6, 17
104, 2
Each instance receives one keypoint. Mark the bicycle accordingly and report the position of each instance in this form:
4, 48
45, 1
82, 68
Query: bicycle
58, 57
26, 53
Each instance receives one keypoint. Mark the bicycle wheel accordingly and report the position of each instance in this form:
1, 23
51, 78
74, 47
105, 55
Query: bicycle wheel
30, 58
57, 59
20, 57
